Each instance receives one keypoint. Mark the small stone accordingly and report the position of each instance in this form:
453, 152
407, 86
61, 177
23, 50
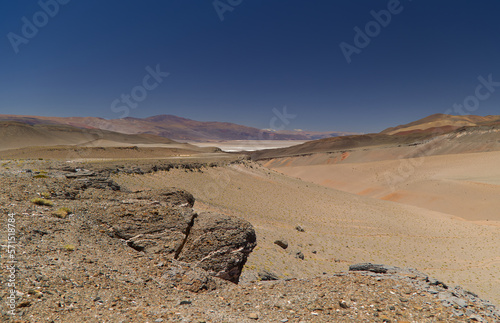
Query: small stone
476, 318
299, 255
159, 320
253, 316
343, 304
299, 228
282, 243
185, 303
267, 275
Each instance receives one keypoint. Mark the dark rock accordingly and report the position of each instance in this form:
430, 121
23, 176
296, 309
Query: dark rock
282, 243
299, 228
343, 304
379, 269
435, 282
164, 224
299, 255
219, 244
267, 275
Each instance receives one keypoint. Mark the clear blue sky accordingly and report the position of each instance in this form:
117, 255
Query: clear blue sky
264, 54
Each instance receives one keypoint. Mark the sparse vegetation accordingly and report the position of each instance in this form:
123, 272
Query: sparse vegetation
62, 212
69, 247
40, 176
41, 201
45, 195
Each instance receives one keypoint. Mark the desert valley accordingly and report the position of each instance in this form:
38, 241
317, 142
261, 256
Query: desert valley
175, 220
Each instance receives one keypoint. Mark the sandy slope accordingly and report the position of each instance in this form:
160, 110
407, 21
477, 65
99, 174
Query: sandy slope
464, 185
340, 228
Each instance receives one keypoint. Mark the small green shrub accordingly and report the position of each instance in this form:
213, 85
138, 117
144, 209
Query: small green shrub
62, 212
69, 247
40, 201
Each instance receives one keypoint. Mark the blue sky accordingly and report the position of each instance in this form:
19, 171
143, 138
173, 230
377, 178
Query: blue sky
85, 58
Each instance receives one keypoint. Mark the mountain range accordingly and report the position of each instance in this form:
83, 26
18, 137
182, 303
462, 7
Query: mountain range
175, 128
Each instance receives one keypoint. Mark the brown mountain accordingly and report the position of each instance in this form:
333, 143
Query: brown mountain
173, 127
413, 133
17, 135
441, 123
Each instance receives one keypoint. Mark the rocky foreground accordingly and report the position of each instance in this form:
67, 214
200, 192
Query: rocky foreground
87, 250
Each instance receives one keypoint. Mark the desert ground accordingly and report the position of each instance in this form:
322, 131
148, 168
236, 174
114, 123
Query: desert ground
462, 185
340, 228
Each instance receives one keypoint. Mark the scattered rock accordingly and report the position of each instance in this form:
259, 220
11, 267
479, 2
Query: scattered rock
300, 228
343, 304
299, 255
380, 269
282, 243
267, 275
253, 316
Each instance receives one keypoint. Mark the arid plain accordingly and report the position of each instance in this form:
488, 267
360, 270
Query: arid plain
426, 201
341, 228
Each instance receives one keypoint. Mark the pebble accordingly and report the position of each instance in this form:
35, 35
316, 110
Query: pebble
253, 316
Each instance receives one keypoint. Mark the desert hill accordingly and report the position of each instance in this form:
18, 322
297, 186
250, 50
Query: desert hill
442, 123
449, 134
174, 127
21, 140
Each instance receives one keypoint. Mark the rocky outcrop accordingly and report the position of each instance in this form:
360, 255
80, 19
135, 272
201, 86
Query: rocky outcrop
219, 244
163, 222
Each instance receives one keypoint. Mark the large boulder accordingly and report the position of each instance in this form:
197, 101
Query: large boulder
219, 244
162, 222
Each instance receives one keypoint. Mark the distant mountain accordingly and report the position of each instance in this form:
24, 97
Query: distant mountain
174, 127
411, 134
15, 135
441, 123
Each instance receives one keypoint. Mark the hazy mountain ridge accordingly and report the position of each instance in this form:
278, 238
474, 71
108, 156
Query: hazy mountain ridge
176, 128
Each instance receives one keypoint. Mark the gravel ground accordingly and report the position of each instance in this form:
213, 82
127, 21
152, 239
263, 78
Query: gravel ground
67, 269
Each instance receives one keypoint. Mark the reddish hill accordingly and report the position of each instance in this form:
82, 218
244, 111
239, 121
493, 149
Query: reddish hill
442, 123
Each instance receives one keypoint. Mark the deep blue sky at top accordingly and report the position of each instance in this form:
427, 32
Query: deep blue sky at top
265, 54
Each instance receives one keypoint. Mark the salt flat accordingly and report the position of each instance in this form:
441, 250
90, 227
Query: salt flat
248, 145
